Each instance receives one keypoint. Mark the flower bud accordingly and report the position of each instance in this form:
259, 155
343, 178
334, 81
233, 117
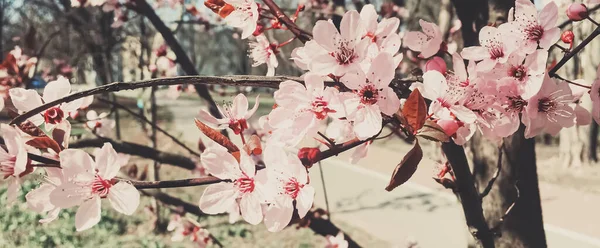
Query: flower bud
437, 64
309, 156
567, 37
259, 30
577, 12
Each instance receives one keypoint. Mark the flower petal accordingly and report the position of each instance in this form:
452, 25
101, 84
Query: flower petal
124, 198
107, 162
304, 200
278, 216
57, 89
88, 214
218, 198
251, 209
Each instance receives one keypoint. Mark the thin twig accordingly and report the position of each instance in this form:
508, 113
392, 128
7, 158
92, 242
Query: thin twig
172, 183
324, 188
490, 184
569, 55
144, 119
302, 35
571, 82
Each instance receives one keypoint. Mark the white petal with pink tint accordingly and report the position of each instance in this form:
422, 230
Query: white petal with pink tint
88, 214
124, 198
218, 198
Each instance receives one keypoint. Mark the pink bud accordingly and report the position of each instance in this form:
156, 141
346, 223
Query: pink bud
309, 156
437, 64
577, 12
449, 126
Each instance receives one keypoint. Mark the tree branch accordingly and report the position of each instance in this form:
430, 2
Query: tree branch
138, 150
571, 54
496, 174
468, 195
173, 183
142, 7
144, 119
301, 34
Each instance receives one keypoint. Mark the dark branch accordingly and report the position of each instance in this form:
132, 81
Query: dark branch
138, 150
173, 183
144, 119
301, 34
571, 54
490, 184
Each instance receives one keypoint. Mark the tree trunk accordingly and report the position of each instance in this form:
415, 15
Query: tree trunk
523, 227
517, 183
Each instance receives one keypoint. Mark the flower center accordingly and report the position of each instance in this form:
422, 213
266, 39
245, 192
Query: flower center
534, 33
101, 186
245, 184
496, 52
292, 187
546, 105
369, 94
344, 54
54, 115
516, 103
320, 108
518, 72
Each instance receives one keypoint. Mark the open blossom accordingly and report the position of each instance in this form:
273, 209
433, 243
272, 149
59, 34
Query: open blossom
302, 56
244, 16
340, 131
13, 160
182, 228
26, 100
531, 29
102, 125
492, 50
445, 100
290, 179
382, 35
427, 42
371, 96
88, 181
300, 108
246, 184
38, 199
549, 109
263, 52
235, 116
526, 71
345, 49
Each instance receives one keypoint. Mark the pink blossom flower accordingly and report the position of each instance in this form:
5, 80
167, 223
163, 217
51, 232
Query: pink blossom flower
290, 178
492, 50
527, 71
341, 131
38, 199
529, 29
371, 96
26, 100
345, 49
88, 181
436, 63
549, 109
99, 123
182, 228
244, 16
263, 52
235, 116
382, 35
427, 42
13, 160
302, 107
246, 184
336, 242
445, 100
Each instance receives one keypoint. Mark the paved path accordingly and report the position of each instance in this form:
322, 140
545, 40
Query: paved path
419, 210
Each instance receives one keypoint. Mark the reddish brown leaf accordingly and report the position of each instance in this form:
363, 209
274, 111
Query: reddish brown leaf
415, 110
44, 143
253, 146
406, 168
217, 137
29, 128
432, 131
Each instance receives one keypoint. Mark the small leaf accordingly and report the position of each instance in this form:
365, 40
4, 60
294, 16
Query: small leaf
432, 131
216, 136
44, 143
415, 110
406, 168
